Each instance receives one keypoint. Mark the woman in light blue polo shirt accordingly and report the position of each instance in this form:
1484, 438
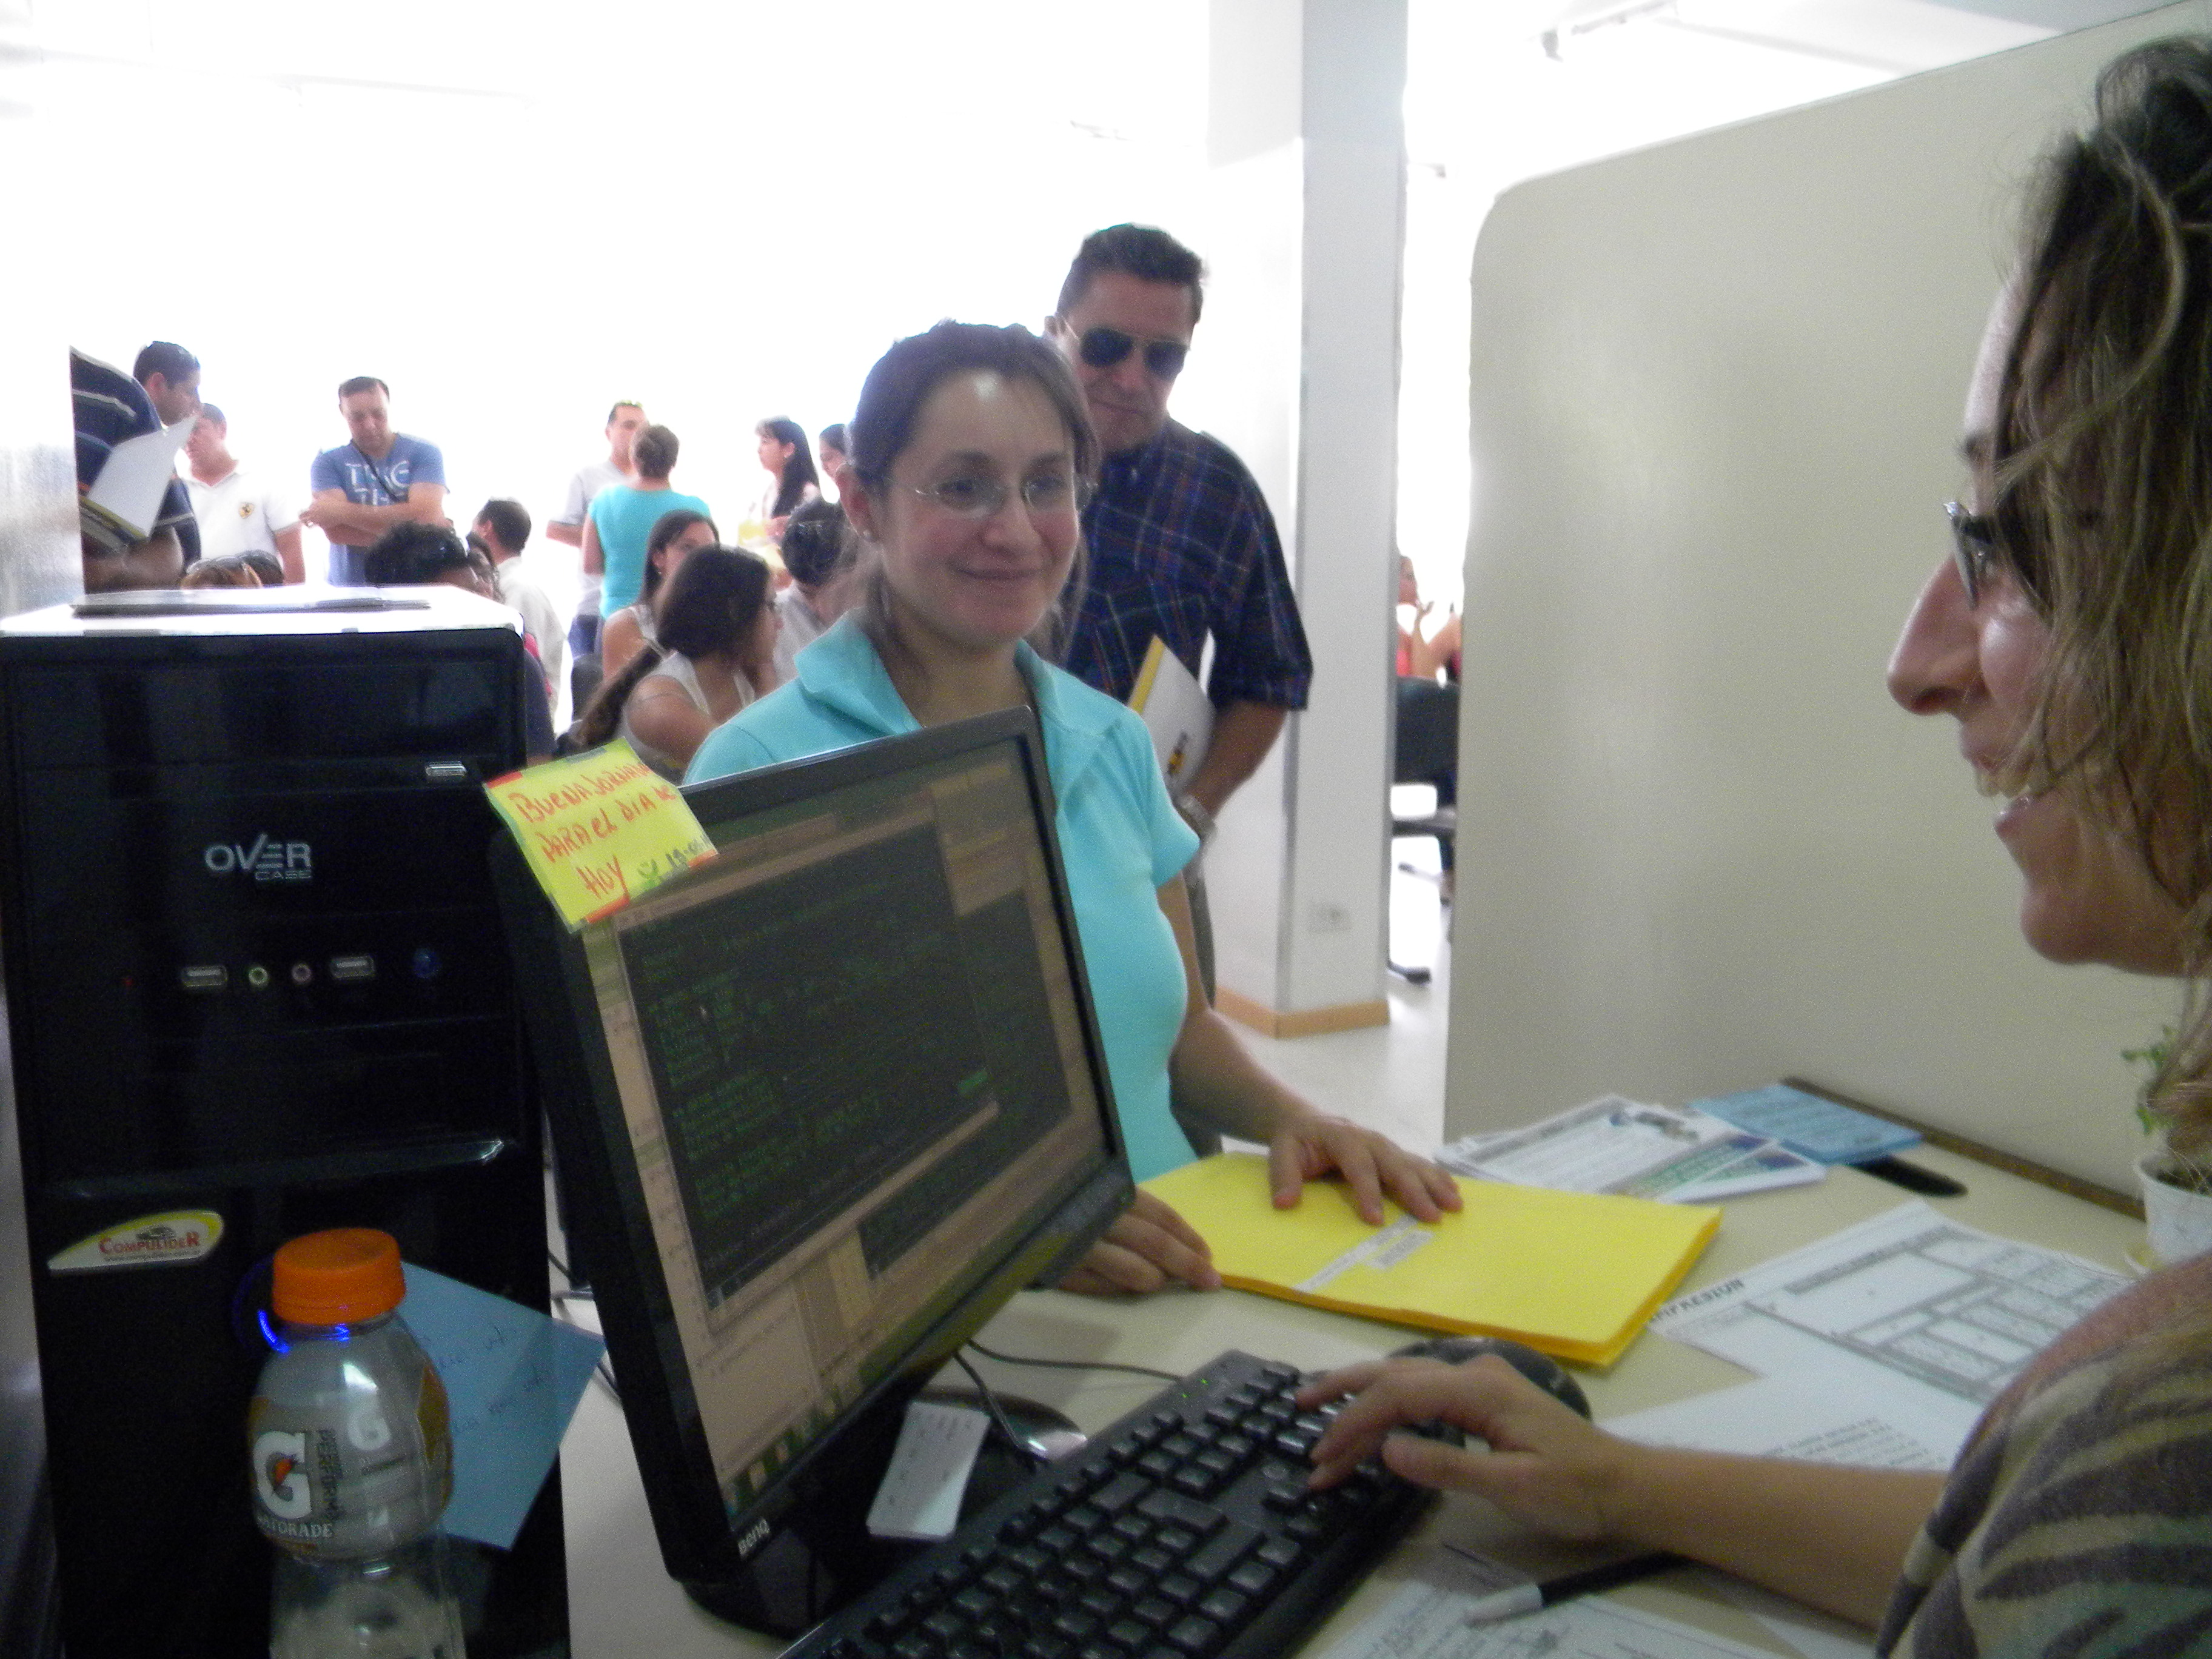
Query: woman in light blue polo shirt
970, 456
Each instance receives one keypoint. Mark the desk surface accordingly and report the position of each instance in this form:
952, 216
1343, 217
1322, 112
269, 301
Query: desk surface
622, 1601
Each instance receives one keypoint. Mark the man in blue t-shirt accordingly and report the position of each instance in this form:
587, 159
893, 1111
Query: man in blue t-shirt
379, 479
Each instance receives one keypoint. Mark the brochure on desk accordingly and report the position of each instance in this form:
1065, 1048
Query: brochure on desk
1636, 1149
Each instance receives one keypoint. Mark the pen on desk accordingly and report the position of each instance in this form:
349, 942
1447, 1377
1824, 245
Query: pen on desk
1529, 1597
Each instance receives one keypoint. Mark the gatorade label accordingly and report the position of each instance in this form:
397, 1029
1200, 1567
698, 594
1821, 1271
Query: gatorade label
290, 1467
350, 1486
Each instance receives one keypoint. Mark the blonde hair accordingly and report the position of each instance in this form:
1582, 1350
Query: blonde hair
2102, 475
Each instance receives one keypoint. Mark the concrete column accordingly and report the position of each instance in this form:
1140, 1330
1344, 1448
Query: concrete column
1303, 237
39, 562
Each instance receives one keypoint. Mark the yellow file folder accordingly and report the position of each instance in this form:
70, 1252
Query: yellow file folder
1576, 1274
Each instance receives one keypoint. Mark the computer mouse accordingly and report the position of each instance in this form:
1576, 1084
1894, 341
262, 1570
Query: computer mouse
1545, 1372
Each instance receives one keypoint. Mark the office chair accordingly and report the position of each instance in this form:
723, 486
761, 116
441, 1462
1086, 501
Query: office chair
1426, 749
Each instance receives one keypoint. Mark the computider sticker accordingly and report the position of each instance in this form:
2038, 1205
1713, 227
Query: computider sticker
151, 1241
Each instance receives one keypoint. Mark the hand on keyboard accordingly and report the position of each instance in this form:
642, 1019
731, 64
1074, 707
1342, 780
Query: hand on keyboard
1545, 1465
1184, 1532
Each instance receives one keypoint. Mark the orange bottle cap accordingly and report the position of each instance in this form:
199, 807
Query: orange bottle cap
338, 1278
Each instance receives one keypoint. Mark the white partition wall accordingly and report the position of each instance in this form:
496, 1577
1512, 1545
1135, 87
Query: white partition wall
1717, 396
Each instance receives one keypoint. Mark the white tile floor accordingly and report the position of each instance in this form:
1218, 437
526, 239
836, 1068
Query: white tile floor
1391, 1078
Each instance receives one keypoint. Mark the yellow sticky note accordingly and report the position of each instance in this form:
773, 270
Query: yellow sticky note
599, 829
1576, 1274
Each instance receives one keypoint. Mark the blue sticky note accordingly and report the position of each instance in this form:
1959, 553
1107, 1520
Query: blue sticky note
1809, 1126
513, 1378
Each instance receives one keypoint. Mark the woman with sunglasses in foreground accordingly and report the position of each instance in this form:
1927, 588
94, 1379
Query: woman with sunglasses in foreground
2070, 637
970, 452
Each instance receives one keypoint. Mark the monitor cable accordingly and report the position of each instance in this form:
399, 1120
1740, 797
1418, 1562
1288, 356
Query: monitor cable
561, 1300
1020, 1442
1069, 1364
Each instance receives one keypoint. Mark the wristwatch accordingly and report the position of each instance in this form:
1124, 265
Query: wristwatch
1196, 816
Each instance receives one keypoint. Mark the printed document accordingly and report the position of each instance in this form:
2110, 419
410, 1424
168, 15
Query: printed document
1907, 1295
1815, 1418
1615, 1145
1425, 1618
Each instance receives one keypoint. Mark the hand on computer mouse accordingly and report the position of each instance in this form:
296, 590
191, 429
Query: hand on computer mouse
1545, 1372
1545, 1466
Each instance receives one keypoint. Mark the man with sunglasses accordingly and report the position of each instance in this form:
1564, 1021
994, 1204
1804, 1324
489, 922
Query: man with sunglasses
1181, 542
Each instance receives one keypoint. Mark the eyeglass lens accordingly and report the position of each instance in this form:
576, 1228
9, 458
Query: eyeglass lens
984, 498
1973, 540
1102, 348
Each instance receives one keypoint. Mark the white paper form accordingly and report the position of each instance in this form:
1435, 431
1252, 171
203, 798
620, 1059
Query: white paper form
1815, 1418
1907, 1294
920, 1496
1425, 1619
1175, 710
1808, 1415
136, 475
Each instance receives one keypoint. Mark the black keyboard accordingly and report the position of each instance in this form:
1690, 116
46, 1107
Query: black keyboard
1183, 1532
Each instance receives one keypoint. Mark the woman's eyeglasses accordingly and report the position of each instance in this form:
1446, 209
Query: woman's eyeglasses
981, 498
1973, 549
1102, 348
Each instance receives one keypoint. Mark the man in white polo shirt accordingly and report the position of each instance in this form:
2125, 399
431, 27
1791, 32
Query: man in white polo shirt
624, 421
502, 529
236, 512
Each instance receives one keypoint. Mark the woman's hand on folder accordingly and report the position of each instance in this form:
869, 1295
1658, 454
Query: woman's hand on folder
1545, 1466
1147, 1247
1309, 1146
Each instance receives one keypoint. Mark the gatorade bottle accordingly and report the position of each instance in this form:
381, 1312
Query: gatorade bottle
352, 1459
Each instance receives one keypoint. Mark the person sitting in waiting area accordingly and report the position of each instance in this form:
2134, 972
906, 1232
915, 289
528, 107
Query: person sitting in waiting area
422, 555
971, 457
829, 445
224, 570
716, 653
2067, 636
814, 553
674, 537
267, 568
1423, 656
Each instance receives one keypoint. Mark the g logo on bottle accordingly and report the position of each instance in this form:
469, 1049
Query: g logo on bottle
280, 1473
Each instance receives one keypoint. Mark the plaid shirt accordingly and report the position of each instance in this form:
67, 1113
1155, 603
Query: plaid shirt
1182, 545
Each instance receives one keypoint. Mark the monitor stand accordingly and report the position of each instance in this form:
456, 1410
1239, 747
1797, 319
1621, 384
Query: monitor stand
823, 1556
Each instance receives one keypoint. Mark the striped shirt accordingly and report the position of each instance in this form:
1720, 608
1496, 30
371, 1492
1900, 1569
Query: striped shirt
2077, 1523
109, 407
1182, 545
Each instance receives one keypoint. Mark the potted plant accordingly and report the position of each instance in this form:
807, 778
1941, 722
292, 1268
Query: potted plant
2177, 1191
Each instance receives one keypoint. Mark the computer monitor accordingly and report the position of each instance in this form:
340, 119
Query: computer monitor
821, 1105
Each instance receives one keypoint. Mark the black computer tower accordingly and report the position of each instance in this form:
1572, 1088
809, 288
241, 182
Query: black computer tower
256, 986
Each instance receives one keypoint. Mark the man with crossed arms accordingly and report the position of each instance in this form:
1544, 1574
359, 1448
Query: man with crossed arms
379, 479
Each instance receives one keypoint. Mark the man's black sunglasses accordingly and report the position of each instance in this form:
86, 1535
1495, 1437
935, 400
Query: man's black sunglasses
1102, 348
